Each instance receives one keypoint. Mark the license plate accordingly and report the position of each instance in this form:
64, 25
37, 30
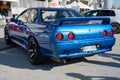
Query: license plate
89, 48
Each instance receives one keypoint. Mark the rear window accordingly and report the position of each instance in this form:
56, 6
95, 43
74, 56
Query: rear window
48, 16
107, 13
52, 15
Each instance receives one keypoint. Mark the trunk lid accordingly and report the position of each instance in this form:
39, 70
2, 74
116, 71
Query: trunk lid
84, 28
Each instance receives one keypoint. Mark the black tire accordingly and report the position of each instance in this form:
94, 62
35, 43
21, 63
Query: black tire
116, 28
6, 37
34, 53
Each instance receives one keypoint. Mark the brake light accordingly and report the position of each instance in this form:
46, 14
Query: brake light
111, 33
59, 36
105, 33
70, 36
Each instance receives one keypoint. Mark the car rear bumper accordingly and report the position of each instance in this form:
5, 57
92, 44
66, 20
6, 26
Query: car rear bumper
72, 49
80, 54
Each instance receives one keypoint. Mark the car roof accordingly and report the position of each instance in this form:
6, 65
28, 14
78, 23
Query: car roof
115, 10
105, 9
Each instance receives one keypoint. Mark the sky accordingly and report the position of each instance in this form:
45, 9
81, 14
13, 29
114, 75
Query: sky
116, 3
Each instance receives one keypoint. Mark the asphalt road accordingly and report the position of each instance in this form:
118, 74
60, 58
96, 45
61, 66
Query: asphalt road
14, 65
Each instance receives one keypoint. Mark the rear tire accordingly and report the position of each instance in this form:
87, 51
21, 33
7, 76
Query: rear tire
34, 53
116, 28
6, 37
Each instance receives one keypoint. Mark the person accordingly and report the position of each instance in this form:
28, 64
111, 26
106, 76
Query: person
4, 12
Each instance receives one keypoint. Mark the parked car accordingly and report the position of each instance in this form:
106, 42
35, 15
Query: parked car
59, 33
112, 14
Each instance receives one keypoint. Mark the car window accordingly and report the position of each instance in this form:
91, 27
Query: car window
52, 15
92, 13
24, 16
48, 16
86, 14
63, 14
107, 13
112, 13
31, 18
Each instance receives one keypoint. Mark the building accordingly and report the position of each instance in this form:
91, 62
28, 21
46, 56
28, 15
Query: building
17, 6
101, 4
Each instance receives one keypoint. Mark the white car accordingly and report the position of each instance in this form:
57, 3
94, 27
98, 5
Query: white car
114, 16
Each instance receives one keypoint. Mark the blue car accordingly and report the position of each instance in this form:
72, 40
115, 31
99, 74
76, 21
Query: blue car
59, 33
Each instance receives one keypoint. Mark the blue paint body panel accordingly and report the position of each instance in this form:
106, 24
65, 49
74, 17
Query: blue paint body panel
87, 32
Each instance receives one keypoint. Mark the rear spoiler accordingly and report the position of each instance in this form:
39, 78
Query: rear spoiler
104, 20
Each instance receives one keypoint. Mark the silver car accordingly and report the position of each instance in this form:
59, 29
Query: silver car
114, 15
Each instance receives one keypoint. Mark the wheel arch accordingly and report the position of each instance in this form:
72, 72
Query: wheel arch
116, 27
115, 23
40, 58
35, 40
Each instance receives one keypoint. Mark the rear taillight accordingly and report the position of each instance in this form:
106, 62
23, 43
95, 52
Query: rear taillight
111, 33
105, 33
59, 36
70, 36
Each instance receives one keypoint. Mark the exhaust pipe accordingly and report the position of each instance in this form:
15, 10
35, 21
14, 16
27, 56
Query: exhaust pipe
64, 60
